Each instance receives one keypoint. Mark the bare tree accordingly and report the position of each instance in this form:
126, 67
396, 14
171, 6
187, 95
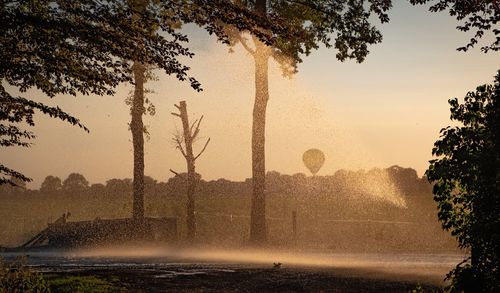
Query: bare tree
184, 142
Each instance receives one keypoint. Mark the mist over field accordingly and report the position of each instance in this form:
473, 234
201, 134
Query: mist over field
249, 146
350, 211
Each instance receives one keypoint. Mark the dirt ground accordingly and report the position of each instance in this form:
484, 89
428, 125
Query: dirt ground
254, 279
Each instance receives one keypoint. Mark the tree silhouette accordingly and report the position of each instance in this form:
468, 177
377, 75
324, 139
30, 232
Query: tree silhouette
118, 186
97, 189
211, 15
481, 16
137, 110
184, 142
17, 186
51, 184
84, 47
69, 47
467, 187
314, 23
75, 184
466, 193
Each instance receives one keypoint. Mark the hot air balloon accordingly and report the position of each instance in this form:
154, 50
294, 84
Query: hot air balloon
313, 160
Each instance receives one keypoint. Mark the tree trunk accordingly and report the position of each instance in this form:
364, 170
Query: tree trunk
191, 179
190, 220
258, 228
137, 128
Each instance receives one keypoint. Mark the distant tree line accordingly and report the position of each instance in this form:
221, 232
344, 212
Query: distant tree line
405, 180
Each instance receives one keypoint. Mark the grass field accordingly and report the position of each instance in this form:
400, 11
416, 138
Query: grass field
322, 222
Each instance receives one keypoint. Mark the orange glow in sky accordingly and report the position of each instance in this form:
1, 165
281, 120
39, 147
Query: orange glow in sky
385, 111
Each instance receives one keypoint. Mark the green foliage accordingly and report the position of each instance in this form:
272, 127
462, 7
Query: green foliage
147, 108
481, 16
84, 47
70, 47
18, 110
81, 284
418, 289
19, 278
467, 184
342, 24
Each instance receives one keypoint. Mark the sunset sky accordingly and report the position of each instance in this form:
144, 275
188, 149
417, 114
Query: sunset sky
385, 111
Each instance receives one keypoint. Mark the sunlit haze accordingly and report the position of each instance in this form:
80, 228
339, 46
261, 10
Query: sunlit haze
385, 111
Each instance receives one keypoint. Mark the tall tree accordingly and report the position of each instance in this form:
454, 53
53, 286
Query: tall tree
172, 14
70, 47
136, 123
184, 142
313, 23
466, 177
83, 47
